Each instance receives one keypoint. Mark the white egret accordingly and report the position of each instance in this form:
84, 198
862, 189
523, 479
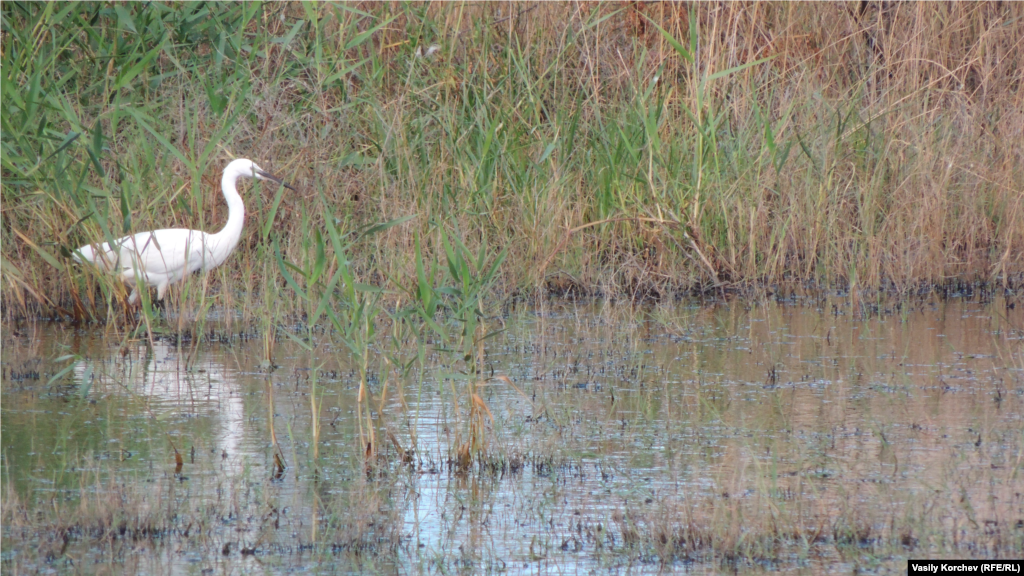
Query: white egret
160, 257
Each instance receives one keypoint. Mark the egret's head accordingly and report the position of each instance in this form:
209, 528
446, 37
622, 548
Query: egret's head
249, 169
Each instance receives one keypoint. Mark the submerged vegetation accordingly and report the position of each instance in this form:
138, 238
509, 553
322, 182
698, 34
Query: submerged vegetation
723, 437
636, 151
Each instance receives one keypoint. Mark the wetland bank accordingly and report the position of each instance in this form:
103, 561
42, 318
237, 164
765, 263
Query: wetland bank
497, 327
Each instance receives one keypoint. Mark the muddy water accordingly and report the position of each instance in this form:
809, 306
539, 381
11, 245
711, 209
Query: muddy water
797, 437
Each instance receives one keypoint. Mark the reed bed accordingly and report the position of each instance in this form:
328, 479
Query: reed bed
620, 149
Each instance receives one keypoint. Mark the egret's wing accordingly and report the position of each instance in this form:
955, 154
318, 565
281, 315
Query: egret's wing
196, 253
166, 252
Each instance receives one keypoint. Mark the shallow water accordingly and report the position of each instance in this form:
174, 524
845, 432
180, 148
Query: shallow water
796, 437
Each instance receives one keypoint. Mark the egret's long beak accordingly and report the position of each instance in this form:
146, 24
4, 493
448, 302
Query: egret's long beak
270, 176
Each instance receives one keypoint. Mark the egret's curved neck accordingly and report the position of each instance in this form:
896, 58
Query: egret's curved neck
232, 231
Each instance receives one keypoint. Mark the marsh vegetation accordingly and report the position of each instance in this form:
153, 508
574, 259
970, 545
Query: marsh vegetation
633, 150
564, 286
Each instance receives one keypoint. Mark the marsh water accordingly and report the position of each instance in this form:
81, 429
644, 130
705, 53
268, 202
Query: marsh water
815, 435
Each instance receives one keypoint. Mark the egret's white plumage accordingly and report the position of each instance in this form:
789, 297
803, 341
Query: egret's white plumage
161, 257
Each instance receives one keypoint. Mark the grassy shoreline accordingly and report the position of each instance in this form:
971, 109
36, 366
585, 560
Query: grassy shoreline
636, 151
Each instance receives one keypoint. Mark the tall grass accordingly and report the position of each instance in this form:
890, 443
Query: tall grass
620, 149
